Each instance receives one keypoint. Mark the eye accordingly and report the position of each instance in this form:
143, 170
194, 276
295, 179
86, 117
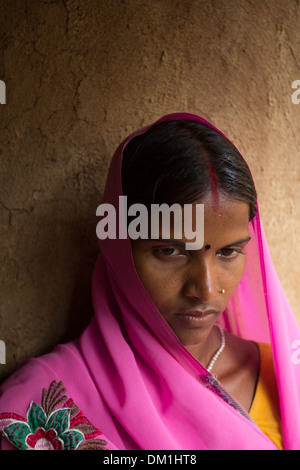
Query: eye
230, 252
169, 251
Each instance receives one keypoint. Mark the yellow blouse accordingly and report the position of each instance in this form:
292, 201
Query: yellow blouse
265, 410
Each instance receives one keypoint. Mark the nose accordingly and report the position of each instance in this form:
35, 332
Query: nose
202, 280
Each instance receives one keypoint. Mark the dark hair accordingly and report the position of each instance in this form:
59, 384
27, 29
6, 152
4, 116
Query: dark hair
179, 161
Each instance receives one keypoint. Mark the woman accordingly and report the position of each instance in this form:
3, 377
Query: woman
153, 370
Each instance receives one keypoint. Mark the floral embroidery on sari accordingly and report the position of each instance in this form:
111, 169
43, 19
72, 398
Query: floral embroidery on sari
56, 424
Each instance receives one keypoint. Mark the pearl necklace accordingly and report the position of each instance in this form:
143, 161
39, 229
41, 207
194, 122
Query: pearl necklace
212, 362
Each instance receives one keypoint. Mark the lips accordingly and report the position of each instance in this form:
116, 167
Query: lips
196, 317
198, 313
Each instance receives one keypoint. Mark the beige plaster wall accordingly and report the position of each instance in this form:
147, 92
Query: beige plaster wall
80, 75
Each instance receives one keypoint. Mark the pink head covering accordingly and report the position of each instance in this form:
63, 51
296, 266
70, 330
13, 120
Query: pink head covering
132, 378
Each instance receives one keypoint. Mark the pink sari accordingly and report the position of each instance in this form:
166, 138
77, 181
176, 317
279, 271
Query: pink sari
128, 383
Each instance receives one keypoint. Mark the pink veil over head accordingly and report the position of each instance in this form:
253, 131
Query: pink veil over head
136, 382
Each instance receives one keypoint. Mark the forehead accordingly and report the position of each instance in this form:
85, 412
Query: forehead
223, 224
228, 220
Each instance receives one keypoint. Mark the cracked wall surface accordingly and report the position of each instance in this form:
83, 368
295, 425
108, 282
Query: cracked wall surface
81, 75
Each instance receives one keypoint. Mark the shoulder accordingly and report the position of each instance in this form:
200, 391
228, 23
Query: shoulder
28, 381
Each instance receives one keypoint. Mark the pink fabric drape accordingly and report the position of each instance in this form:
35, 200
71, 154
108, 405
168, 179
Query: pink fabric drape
135, 381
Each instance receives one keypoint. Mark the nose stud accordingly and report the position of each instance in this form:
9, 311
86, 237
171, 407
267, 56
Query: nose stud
221, 291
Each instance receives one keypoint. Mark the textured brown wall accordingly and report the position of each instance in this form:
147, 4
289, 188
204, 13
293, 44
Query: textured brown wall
80, 75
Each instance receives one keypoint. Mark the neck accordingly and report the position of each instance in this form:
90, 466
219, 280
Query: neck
205, 350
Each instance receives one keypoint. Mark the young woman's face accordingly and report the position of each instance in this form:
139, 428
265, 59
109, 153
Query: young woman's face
192, 288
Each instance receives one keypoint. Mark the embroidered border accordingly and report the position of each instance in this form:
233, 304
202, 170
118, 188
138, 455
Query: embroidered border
214, 385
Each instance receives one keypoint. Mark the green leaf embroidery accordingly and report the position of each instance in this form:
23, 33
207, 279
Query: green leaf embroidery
36, 417
59, 420
72, 439
16, 433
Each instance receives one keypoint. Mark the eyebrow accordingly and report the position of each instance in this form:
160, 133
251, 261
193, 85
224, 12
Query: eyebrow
240, 242
179, 242
167, 240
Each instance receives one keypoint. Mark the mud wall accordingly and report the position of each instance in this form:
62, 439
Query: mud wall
79, 76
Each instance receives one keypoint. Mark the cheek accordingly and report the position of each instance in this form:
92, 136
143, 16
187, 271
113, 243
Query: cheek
234, 275
161, 287
148, 275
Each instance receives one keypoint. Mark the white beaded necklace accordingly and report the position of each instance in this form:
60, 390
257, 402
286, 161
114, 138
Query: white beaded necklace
212, 362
